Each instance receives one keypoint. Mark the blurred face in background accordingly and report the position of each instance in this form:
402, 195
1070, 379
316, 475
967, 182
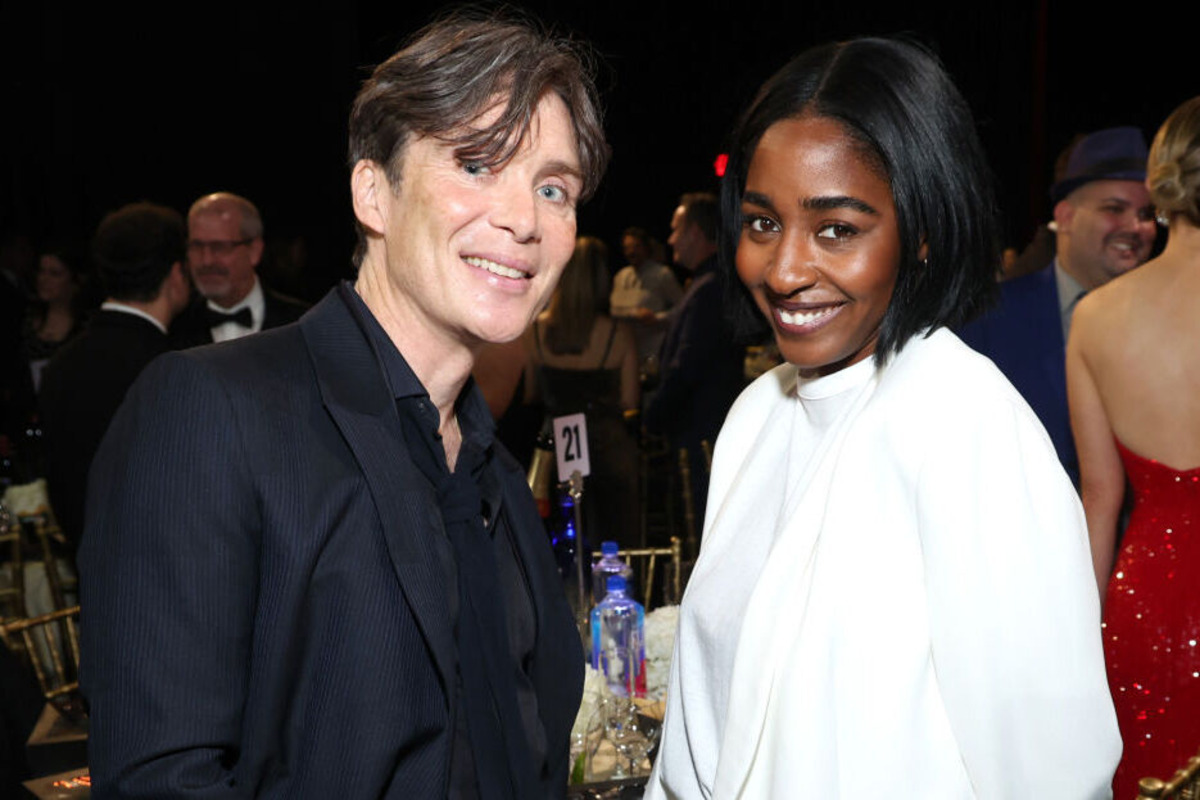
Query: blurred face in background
1105, 229
221, 260
635, 250
55, 283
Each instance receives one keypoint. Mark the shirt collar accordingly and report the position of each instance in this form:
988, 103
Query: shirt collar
1069, 293
113, 305
474, 417
254, 301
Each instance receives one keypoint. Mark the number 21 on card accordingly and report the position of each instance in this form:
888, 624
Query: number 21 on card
570, 445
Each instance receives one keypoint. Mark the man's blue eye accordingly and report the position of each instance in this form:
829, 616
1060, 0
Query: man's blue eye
554, 193
474, 167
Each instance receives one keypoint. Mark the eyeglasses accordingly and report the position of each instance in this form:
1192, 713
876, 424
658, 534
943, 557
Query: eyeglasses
219, 249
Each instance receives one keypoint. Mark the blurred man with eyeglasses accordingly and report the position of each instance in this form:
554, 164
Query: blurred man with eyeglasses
224, 248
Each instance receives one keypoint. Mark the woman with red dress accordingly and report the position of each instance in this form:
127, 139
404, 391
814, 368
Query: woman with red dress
1133, 375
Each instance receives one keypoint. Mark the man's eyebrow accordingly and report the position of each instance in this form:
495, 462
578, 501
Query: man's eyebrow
830, 203
560, 167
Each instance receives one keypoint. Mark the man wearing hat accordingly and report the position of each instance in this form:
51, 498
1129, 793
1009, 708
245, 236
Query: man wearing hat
1104, 226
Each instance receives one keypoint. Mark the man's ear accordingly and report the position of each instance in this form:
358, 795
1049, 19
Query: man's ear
1064, 212
370, 192
256, 251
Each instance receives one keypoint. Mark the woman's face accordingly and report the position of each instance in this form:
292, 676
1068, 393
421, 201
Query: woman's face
820, 247
54, 280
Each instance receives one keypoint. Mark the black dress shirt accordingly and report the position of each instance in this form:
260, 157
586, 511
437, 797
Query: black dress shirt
420, 422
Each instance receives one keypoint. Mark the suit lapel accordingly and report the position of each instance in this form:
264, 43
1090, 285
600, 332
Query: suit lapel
357, 398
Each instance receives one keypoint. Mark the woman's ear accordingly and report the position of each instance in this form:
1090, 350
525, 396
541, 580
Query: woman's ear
923, 251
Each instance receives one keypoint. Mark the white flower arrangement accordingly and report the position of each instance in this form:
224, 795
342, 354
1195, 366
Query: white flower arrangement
661, 624
593, 692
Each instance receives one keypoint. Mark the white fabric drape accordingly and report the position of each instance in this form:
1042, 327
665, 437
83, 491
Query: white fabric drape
894, 597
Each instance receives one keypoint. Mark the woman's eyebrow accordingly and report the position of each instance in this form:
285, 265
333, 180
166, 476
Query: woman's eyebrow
758, 199
838, 201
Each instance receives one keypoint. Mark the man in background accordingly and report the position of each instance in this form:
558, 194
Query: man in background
643, 293
224, 249
701, 366
1104, 227
138, 251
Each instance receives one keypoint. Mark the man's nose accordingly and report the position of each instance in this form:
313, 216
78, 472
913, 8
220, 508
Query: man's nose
516, 210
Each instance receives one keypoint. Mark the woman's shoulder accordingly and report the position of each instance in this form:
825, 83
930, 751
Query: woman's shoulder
939, 378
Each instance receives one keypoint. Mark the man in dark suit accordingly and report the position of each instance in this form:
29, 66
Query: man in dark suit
700, 364
138, 251
308, 569
225, 247
1104, 227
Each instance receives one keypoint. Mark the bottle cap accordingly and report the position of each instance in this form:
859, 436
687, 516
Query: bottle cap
609, 548
615, 583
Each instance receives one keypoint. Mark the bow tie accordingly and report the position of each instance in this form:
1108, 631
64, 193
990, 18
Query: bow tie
241, 317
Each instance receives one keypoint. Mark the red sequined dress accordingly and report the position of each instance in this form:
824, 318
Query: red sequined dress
1152, 624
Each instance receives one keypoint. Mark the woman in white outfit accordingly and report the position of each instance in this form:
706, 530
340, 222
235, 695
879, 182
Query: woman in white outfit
894, 595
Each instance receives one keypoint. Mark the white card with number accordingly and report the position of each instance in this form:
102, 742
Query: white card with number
570, 445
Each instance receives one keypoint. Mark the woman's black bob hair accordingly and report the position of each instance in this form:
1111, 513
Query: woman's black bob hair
895, 98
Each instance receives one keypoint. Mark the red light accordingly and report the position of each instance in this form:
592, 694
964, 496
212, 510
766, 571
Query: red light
719, 165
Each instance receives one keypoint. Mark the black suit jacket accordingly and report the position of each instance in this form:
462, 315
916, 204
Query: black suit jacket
702, 369
82, 387
264, 609
190, 329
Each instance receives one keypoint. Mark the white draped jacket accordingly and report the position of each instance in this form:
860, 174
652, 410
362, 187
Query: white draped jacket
894, 598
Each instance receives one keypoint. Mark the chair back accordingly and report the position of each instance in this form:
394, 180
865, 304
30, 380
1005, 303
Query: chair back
47, 533
646, 563
1184, 784
12, 553
50, 644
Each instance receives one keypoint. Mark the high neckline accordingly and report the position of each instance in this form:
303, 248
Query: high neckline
836, 383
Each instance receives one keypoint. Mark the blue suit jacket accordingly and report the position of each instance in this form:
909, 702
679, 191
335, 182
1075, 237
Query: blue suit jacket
264, 613
1023, 335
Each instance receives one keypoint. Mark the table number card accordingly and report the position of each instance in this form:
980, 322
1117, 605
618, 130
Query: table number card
570, 445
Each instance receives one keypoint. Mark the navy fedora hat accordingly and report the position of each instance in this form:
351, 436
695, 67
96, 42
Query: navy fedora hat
1113, 154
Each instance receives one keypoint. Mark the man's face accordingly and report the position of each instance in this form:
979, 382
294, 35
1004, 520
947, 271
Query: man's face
1105, 228
221, 261
471, 253
634, 250
686, 240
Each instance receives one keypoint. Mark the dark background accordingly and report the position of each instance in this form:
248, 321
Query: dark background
106, 105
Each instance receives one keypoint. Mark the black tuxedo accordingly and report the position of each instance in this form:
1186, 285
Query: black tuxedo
265, 612
82, 387
191, 328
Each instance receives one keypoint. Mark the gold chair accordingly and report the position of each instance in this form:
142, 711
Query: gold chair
1184, 784
12, 595
689, 512
51, 645
644, 563
46, 530
656, 491
688, 495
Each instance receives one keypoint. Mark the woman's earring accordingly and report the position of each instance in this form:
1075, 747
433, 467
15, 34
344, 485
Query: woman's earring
1161, 219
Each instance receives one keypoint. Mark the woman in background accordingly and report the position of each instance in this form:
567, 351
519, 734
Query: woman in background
1133, 380
894, 596
55, 314
582, 360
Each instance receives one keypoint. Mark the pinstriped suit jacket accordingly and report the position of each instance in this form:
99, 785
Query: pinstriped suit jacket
263, 614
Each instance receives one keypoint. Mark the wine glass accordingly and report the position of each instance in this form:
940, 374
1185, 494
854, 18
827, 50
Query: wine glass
632, 735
